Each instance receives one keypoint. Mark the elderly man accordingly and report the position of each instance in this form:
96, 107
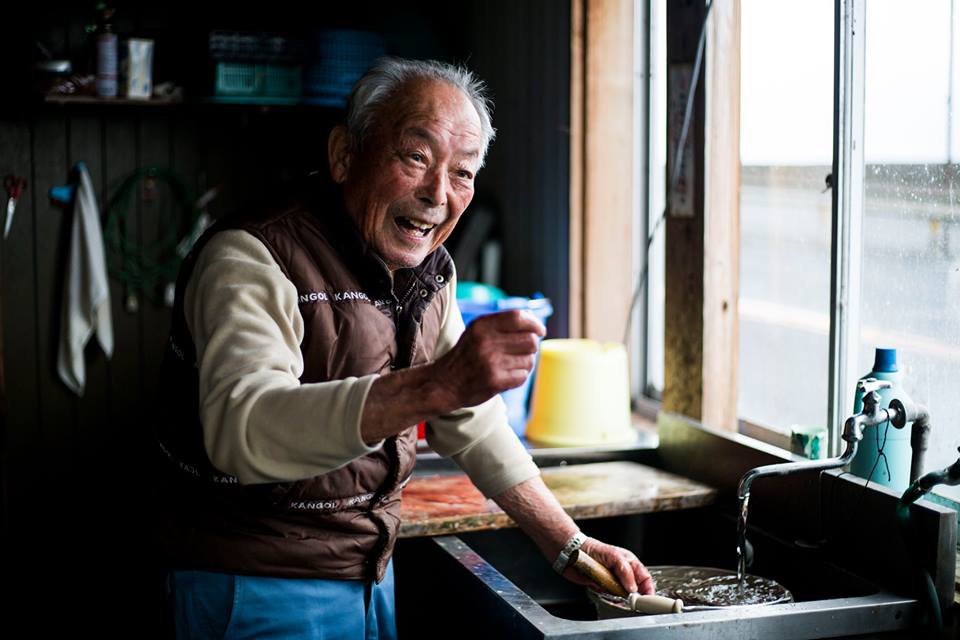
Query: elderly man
306, 341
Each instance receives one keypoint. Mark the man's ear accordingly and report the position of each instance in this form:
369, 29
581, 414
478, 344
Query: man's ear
338, 154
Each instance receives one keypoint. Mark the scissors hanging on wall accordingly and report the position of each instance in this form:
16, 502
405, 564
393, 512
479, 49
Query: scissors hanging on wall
15, 186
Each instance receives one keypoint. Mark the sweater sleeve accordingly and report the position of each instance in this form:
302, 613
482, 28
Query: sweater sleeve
479, 439
259, 422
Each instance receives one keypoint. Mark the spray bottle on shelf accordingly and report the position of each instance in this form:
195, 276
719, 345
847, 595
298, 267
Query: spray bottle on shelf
884, 447
106, 53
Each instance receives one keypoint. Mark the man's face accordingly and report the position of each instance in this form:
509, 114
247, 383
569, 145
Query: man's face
414, 177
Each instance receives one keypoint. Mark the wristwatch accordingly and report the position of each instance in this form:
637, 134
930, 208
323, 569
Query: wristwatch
574, 543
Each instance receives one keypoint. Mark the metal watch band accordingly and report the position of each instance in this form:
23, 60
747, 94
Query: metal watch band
560, 564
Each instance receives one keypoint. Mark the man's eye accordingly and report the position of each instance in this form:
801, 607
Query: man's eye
463, 173
417, 157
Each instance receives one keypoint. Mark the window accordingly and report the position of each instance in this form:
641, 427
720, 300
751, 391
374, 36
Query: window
849, 208
903, 194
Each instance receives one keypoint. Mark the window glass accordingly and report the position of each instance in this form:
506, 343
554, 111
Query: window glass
786, 148
658, 188
910, 297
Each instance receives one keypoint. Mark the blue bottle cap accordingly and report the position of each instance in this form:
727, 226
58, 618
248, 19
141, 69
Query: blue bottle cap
885, 360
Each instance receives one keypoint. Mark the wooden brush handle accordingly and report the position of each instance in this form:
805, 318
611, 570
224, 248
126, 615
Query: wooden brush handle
602, 577
599, 574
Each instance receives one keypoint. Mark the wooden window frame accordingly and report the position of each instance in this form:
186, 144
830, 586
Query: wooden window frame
702, 271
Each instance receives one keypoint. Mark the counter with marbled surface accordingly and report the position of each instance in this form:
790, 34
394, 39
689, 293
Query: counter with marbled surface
449, 503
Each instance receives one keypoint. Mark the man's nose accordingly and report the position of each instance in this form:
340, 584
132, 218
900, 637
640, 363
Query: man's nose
433, 188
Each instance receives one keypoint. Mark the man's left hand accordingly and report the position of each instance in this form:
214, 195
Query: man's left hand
625, 566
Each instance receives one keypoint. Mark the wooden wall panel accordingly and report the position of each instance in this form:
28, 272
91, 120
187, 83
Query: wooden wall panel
577, 165
22, 437
683, 304
58, 405
185, 153
157, 208
219, 152
121, 140
609, 178
721, 268
73, 466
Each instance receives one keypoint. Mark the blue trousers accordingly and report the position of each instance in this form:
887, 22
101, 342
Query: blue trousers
208, 605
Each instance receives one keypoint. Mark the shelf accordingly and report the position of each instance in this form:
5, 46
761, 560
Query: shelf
260, 102
277, 101
115, 102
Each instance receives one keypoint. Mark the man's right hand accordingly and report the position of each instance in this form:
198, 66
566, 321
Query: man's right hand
496, 352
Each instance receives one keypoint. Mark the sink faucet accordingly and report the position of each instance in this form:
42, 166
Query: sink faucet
853, 427
871, 414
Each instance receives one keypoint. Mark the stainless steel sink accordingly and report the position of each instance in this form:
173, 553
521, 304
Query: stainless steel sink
855, 580
521, 597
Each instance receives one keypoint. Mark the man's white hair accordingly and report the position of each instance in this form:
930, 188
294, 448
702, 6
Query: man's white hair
381, 82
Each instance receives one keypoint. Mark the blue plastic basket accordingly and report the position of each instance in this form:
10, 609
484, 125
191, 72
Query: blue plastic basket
336, 60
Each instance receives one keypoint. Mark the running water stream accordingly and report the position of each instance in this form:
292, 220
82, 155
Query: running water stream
742, 539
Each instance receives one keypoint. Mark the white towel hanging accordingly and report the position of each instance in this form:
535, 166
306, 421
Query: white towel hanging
86, 291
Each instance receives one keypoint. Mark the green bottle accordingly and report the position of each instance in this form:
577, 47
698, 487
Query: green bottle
895, 443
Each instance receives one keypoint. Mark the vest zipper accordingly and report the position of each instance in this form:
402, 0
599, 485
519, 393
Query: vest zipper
403, 300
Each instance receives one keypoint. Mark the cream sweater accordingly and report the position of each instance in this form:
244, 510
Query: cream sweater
262, 425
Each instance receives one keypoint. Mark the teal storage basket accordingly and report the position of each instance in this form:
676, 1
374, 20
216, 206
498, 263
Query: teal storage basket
238, 79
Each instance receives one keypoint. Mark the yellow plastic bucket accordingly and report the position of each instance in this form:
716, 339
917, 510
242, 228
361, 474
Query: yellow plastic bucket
581, 395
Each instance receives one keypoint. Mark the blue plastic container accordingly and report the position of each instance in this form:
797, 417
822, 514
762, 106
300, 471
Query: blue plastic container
540, 307
894, 442
336, 60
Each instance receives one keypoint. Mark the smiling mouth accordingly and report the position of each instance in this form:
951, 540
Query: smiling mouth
413, 226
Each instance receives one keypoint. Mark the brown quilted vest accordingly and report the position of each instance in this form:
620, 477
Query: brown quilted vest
341, 524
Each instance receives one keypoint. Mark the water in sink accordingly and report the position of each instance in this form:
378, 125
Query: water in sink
716, 587
694, 537
700, 587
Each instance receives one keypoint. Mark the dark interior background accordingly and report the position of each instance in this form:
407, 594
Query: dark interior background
75, 471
